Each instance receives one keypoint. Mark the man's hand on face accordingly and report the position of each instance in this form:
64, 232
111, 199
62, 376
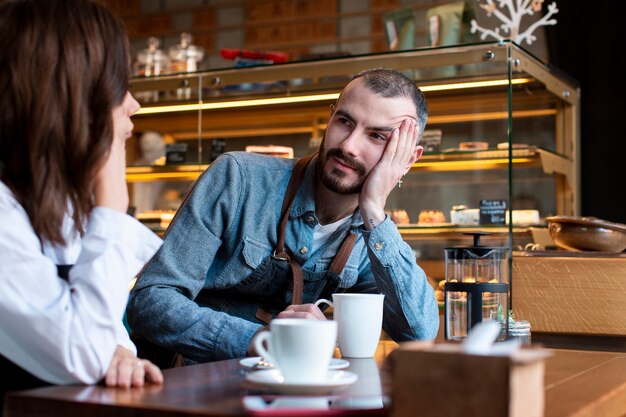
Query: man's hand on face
399, 155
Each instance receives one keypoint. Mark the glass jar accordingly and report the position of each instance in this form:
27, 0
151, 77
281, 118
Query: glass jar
476, 288
151, 61
520, 329
185, 56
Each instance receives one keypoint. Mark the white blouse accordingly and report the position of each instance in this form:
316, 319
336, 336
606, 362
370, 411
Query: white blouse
66, 332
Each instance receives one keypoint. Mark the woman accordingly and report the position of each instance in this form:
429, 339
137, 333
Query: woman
64, 119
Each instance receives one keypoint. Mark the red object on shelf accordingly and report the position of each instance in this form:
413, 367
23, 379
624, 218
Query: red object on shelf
275, 56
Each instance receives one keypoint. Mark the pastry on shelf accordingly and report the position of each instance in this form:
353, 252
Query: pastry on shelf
398, 216
273, 150
156, 218
505, 145
427, 217
524, 217
439, 291
464, 216
473, 146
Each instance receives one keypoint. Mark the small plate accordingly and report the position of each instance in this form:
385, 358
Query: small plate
271, 378
252, 362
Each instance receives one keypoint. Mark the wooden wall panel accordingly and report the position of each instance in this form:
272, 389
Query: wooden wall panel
576, 295
204, 19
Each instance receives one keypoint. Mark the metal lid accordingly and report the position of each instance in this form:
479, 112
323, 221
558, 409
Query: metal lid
460, 252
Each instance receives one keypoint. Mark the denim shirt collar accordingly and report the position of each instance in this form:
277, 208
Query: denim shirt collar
305, 198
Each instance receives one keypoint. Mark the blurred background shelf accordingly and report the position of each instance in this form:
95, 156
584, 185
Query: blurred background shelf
473, 93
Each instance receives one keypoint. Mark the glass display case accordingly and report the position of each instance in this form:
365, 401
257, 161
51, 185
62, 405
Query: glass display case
502, 137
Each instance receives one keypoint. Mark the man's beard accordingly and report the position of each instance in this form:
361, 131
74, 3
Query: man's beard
332, 179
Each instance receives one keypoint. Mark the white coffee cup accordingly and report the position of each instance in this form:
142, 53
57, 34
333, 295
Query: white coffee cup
301, 349
359, 320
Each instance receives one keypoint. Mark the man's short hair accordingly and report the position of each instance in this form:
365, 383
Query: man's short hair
391, 83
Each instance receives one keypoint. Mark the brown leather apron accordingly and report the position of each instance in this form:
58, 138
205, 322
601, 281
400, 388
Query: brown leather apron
281, 252
267, 289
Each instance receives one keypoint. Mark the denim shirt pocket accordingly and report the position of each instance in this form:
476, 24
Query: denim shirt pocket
316, 281
348, 276
246, 261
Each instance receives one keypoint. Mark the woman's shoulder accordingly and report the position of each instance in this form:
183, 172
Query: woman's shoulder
7, 198
14, 217
16, 232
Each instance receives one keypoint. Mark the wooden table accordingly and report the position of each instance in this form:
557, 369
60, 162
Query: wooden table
585, 384
577, 383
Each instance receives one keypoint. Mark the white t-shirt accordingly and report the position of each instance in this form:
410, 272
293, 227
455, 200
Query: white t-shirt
66, 332
321, 233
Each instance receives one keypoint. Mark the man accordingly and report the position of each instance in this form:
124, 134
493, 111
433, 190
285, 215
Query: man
226, 267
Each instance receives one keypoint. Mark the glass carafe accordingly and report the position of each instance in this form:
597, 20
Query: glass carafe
476, 288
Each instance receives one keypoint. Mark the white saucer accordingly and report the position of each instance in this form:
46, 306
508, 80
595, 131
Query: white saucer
271, 378
252, 361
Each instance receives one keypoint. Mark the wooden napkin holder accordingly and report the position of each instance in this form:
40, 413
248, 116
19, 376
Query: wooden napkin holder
440, 380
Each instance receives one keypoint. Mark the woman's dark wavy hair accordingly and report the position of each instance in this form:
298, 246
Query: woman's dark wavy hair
64, 66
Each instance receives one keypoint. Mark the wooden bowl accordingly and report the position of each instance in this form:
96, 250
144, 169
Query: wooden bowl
587, 234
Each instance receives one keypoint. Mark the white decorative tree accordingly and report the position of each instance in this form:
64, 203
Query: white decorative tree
510, 26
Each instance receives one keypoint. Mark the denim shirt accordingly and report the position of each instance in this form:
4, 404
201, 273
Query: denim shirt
198, 296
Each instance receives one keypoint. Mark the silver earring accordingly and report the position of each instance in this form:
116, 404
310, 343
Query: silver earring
399, 183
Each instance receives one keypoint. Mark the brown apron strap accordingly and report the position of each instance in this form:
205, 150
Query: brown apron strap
298, 282
292, 189
281, 252
343, 254
263, 315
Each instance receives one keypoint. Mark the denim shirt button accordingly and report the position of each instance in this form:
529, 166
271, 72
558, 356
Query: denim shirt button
378, 245
304, 250
309, 219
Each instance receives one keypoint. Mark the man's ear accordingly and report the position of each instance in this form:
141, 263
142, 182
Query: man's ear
332, 110
417, 154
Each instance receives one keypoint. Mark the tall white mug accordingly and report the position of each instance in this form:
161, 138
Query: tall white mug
301, 349
359, 320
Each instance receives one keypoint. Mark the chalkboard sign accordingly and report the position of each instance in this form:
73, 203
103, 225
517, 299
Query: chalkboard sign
176, 153
218, 147
492, 212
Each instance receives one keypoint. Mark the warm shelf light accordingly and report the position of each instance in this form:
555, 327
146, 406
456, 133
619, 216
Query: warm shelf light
473, 84
167, 176
412, 231
190, 173
238, 103
483, 116
311, 97
469, 164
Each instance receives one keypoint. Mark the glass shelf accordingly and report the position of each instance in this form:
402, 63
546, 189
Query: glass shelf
486, 92
446, 161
